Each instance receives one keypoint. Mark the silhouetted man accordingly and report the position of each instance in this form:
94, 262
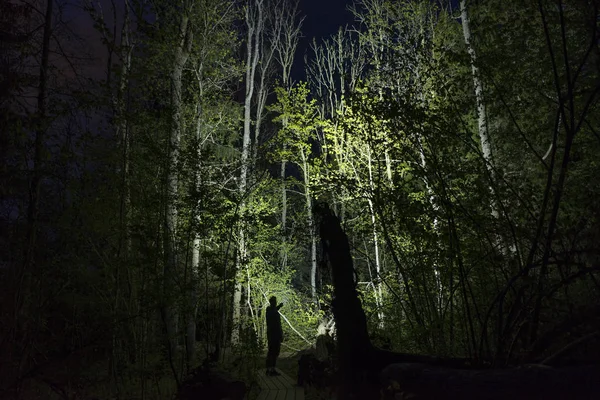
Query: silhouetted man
274, 334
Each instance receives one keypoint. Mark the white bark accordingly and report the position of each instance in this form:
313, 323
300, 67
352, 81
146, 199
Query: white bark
482, 125
237, 299
377, 286
284, 239
486, 147
254, 23
311, 226
266, 50
190, 334
288, 34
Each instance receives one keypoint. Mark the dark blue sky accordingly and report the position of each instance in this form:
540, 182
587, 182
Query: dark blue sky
322, 19
324, 16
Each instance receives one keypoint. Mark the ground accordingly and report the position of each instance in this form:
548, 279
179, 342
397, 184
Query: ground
245, 369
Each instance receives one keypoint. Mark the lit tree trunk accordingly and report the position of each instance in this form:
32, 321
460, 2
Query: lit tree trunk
288, 32
237, 291
311, 226
388, 168
255, 23
284, 252
171, 216
486, 147
266, 53
377, 286
190, 335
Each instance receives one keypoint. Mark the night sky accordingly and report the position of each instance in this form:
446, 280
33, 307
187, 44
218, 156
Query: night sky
322, 19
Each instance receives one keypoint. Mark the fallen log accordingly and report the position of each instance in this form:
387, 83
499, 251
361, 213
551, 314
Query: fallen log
425, 382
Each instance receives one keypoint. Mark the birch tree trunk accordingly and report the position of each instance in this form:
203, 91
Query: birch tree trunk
482, 126
288, 31
255, 23
284, 239
311, 227
266, 54
190, 335
377, 286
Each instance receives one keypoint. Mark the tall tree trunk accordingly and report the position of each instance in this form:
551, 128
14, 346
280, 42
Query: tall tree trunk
190, 336
311, 227
288, 32
237, 289
190, 333
284, 252
255, 23
377, 285
171, 215
482, 127
266, 54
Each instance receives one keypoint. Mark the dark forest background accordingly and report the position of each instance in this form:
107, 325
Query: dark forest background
159, 184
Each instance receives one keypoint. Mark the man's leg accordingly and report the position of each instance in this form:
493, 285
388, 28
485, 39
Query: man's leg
276, 350
270, 359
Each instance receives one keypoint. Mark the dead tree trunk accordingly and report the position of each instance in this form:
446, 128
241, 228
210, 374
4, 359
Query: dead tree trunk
353, 343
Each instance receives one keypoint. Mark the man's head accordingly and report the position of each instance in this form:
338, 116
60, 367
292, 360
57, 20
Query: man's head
273, 301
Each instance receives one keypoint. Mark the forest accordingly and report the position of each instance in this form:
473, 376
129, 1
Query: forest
159, 183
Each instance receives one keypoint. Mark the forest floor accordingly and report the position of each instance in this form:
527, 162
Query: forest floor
288, 364
85, 376
244, 368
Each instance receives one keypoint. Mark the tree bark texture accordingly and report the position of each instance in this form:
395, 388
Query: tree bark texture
181, 55
482, 123
254, 23
311, 227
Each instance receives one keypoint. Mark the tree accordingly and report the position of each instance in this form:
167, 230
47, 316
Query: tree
255, 22
287, 35
297, 135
